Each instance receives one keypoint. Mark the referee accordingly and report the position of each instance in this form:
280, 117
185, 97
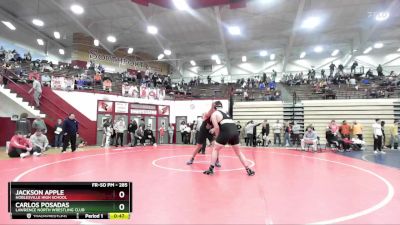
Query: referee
70, 131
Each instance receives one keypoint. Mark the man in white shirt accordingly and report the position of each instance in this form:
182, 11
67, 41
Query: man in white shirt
120, 128
277, 128
377, 131
37, 91
40, 143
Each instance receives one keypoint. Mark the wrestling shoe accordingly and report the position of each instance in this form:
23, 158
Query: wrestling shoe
217, 164
209, 172
250, 172
190, 162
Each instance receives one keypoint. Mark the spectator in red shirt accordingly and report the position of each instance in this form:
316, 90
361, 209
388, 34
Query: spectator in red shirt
345, 130
19, 146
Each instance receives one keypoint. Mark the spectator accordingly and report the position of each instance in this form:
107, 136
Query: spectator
274, 75
162, 134
331, 69
132, 127
332, 139
170, 133
393, 128
334, 127
277, 128
24, 125
39, 124
249, 133
120, 128
265, 132
58, 134
345, 130
209, 79
187, 133
193, 128
377, 132
148, 135
71, 131
182, 129
20, 146
353, 67
296, 133
139, 135
379, 69
37, 91
107, 85
310, 137
106, 131
383, 134
288, 131
39, 141
357, 130
142, 123
246, 95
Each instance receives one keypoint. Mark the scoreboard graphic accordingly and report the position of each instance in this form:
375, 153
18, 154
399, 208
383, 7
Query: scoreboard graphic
70, 200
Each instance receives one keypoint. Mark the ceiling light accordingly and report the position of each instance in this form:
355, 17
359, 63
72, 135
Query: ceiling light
214, 57
160, 56
244, 58
272, 57
9, 25
355, 50
381, 16
181, 4
152, 29
378, 45
335, 52
218, 61
398, 50
61, 51
57, 35
96, 42
130, 50
77, 9
234, 30
167, 52
38, 22
192, 62
366, 51
111, 39
263, 53
40, 41
302, 55
311, 22
318, 49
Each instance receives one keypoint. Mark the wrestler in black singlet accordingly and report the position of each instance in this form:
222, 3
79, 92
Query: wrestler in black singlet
228, 131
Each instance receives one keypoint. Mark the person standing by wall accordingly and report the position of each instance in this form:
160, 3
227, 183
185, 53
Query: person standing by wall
171, 133
58, 134
383, 134
71, 131
37, 91
132, 127
106, 124
265, 132
296, 133
24, 125
39, 124
120, 128
249, 132
162, 133
377, 132
277, 128
288, 131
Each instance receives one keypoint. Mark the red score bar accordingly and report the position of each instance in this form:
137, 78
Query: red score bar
80, 195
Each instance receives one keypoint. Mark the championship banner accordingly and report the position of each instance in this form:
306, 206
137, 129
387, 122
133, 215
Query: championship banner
130, 91
105, 106
62, 83
163, 110
152, 93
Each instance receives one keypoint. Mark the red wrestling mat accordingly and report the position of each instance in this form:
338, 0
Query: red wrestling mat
289, 187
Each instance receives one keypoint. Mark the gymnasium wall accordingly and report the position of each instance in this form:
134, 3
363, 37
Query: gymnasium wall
87, 104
